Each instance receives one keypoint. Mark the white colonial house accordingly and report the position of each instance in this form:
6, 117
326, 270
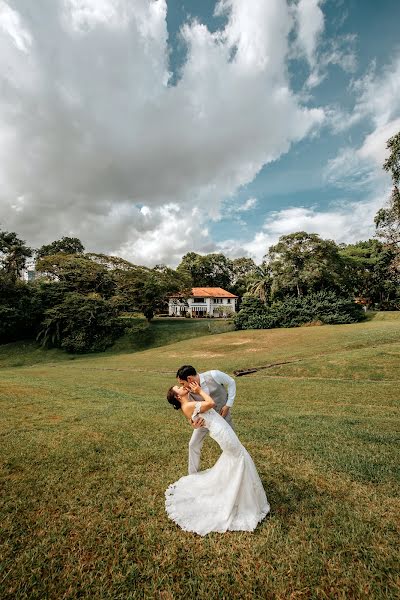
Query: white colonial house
203, 302
29, 273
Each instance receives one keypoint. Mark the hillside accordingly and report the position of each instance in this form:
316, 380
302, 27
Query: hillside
89, 445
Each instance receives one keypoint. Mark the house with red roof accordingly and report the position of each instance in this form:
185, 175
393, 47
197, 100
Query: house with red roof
203, 302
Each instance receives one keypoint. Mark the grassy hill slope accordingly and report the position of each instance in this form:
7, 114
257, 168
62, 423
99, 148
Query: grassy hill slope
88, 447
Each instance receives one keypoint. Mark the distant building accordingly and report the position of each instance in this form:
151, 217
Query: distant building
29, 273
203, 302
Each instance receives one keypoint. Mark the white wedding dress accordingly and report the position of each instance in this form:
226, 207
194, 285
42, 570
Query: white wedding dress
227, 497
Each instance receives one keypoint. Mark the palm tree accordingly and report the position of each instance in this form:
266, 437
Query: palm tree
260, 283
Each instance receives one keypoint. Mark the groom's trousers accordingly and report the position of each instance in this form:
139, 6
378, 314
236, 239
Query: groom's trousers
196, 444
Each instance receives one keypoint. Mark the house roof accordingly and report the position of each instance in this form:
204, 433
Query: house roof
208, 292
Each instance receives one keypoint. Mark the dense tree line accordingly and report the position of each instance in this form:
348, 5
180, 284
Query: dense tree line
77, 300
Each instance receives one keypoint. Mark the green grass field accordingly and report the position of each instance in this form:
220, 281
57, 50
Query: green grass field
89, 445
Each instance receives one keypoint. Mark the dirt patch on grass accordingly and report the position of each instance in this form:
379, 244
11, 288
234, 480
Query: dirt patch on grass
207, 355
22, 391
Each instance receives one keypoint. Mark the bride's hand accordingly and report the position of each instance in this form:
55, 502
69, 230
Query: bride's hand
194, 387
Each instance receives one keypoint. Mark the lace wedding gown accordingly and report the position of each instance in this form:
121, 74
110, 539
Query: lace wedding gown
227, 497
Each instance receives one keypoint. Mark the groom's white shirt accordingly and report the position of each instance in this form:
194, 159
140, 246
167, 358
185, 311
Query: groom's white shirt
223, 379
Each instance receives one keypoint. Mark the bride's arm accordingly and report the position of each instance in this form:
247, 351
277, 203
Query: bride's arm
189, 407
207, 403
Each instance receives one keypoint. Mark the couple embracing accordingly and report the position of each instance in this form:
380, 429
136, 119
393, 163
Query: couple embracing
230, 495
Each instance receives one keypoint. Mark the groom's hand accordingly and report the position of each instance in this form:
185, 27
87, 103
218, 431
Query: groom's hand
197, 424
224, 411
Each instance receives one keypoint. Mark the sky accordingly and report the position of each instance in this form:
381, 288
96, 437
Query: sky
151, 128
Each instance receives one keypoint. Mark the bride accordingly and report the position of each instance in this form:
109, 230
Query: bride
227, 497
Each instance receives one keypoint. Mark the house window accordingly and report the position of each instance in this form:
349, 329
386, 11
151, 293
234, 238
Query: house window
199, 300
229, 301
217, 300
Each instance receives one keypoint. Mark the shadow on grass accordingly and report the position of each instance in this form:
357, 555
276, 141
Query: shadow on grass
288, 497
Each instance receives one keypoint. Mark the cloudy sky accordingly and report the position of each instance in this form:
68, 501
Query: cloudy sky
150, 128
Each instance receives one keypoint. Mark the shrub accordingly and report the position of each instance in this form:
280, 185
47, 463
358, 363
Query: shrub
20, 310
325, 307
81, 324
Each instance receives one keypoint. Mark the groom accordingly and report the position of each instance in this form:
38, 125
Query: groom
212, 382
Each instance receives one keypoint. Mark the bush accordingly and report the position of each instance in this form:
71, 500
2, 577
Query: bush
81, 324
325, 307
20, 310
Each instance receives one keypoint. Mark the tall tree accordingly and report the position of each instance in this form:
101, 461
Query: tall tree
13, 254
66, 245
368, 273
243, 267
210, 270
76, 273
387, 220
243, 270
148, 290
189, 265
303, 262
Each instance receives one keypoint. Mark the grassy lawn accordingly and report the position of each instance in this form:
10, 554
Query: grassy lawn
89, 445
139, 336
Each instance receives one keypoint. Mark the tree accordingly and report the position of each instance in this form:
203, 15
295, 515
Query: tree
13, 254
243, 267
77, 273
260, 283
20, 309
67, 245
303, 262
369, 275
112, 263
387, 220
243, 270
210, 270
392, 163
80, 324
150, 289
189, 265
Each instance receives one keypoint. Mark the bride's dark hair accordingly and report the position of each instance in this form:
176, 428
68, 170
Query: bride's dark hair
172, 399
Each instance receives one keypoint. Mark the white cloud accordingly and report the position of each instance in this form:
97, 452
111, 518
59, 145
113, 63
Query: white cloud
361, 167
11, 25
248, 205
341, 52
346, 222
378, 104
379, 93
231, 208
348, 170
377, 97
170, 233
90, 130
310, 20
319, 51
374, 147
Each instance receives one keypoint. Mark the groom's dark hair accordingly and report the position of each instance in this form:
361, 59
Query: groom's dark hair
185, 371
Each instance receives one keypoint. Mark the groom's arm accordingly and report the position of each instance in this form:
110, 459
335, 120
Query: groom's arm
230, 383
